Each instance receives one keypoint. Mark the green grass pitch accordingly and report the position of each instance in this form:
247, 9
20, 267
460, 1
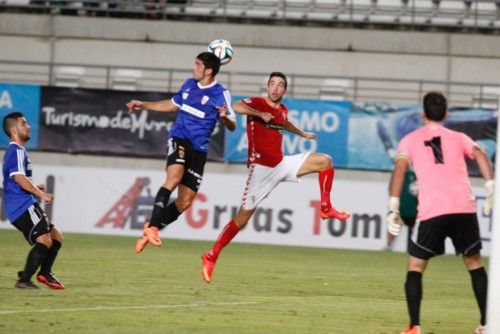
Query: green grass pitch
255, 289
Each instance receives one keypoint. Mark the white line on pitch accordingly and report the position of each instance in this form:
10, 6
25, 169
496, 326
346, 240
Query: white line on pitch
131, 307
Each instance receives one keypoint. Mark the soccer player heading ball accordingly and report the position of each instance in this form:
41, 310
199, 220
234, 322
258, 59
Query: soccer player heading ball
267, 167
200, 103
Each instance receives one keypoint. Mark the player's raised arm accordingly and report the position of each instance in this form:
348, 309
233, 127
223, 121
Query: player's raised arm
242, 108
293, 129
159, 106
227, 119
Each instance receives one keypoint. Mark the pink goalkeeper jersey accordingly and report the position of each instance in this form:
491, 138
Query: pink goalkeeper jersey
438, 157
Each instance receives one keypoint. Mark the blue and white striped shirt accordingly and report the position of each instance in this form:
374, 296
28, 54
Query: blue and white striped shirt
198, 112
16, 199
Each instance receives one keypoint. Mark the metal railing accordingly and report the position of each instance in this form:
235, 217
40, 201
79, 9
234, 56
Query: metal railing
357, 89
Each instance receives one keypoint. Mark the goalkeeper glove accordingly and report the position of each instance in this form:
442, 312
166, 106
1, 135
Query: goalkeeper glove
394, 220
490, 196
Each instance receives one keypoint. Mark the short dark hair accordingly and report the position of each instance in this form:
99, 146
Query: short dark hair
10, 121
435, 106
280, 75
211, 61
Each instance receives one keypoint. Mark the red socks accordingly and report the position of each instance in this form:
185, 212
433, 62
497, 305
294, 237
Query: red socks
227, 234
325, 178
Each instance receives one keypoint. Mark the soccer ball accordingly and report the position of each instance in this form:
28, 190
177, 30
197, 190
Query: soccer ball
222, 49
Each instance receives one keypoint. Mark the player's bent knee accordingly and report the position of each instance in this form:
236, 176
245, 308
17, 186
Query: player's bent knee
56, 235
473, 261
45, 239
324, 161
328, 161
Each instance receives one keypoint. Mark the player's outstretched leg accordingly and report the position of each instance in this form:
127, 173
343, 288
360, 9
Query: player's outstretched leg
207, 267
36, 256
332, 213
45, 274
327, 211
208, 259
152, 228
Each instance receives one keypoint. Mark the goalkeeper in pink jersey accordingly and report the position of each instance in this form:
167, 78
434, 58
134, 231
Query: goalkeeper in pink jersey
446, 205
267, 166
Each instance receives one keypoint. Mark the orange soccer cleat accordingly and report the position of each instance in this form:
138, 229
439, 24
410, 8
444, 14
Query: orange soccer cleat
207, 267
413, 329
330, 212
150, 235
141, 243
153, 234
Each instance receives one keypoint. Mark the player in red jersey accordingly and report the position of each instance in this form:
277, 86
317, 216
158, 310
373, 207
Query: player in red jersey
266, 120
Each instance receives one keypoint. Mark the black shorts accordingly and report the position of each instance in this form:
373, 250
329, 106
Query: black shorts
33, 223
180, 151
461, 228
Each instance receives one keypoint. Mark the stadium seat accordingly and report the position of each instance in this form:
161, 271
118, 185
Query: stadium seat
202, 7
387, 11
334, 89
125, 79
452, 12
487, 97
326, 10
263, 9
68, 76
233, 8
296, 9
17, 2
486, 10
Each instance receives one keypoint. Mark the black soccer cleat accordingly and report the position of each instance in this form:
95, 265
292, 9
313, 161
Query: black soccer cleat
26, 285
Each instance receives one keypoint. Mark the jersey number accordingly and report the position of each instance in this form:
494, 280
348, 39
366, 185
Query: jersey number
435, 144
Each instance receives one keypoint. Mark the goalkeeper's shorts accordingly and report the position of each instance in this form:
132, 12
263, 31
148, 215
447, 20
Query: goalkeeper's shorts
429, 236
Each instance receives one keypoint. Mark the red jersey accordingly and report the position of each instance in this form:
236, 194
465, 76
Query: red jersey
265, 139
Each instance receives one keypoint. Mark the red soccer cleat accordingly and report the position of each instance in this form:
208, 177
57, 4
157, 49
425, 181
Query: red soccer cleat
50, 280
330, 212
412, 330
207, 268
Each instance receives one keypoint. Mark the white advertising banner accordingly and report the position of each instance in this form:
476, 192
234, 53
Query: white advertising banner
116, 201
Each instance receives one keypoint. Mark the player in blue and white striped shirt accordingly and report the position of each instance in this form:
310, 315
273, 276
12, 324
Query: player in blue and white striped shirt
21, 206
199, 103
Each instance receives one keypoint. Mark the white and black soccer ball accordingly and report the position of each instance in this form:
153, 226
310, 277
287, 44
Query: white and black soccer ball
222, 49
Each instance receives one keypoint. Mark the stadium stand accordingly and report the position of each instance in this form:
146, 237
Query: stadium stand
424, 14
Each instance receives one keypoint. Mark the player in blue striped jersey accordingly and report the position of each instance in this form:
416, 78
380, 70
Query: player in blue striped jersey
199, 103
22, 209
